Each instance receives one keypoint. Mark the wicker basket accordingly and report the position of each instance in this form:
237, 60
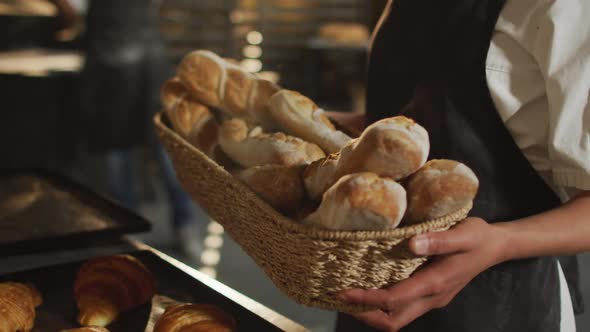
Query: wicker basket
310, 265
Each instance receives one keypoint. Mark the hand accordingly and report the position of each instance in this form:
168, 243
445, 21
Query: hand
463, 252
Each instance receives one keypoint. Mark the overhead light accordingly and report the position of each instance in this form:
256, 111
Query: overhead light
252, 51
254, 38
251, 65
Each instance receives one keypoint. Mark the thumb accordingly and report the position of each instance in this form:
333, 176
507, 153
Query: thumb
439, 243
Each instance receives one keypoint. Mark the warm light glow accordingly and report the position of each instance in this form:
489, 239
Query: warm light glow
215, 228
213, 242
209, 271
252, 51
254, 38
251, 65
210, 257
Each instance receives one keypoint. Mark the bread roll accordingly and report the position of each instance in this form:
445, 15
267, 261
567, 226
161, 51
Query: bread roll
393, 147
251, 148
106, 286
220, 84
189, 118
280, 186
439, 188
195, 317
17, 306
297, 115
361, 201
319, 176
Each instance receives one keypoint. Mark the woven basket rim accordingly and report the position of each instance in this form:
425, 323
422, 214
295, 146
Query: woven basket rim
317, 233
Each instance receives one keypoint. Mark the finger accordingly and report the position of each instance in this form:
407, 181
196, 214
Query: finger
401, 318
377, 319
422, 284
457, 239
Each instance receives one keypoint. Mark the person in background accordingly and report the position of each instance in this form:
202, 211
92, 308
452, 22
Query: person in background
125, 67
502, 86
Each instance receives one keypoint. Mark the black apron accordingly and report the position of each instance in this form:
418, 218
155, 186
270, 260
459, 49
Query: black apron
428, 62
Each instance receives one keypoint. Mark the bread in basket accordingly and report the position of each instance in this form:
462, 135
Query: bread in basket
310, 265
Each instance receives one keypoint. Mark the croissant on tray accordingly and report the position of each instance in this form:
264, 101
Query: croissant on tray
88, 329
106, 286
17, 306
190, 317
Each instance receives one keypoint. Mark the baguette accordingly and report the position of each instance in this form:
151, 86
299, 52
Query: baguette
223, 85
251, 148
299, 116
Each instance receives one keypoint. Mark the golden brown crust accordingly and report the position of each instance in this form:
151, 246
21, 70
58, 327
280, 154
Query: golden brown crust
361, 201
238, 87
280, 186
186, 317
87, 329
251, 148
189, 118
259, 98
439, 188
17, 306
202, 72
299, 116
106, 286
393, 147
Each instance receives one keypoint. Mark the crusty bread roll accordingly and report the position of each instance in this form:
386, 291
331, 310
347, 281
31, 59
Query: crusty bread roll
297, 115
319, 175
361, 201
189, 118
393, 147
251, 148
223, 85
280, 186
439, 188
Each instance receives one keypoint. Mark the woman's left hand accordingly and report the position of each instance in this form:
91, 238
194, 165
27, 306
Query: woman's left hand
463, 252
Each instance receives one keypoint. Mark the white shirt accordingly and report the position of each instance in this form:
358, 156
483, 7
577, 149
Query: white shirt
538, 72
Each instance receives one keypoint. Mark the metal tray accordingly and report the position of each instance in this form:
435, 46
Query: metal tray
58, 310
40, 210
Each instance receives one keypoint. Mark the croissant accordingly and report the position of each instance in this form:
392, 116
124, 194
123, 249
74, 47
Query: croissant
17, 306
106, 286
88, 329
195, 318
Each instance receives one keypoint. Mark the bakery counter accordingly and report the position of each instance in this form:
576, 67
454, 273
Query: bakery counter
53, 274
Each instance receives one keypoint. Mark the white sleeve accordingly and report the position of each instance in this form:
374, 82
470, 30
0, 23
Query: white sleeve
562, 50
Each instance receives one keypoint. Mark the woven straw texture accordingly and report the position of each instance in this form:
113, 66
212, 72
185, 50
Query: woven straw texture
310, 265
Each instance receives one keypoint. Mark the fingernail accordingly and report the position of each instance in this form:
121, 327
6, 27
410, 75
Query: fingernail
344, 297
421, 245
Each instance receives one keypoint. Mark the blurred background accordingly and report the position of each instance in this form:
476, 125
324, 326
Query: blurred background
80, 81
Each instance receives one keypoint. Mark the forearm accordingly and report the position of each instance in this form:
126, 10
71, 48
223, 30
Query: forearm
561, 231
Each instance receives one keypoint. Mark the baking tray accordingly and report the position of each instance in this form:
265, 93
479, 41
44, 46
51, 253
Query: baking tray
58, 310
40, 210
